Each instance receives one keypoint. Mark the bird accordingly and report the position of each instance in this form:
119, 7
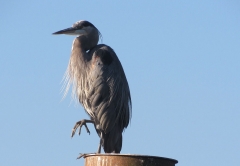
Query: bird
99, 84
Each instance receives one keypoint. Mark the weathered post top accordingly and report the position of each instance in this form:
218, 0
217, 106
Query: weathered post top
127, 160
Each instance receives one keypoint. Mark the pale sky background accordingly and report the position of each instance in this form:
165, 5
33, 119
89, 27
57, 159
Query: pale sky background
181, 59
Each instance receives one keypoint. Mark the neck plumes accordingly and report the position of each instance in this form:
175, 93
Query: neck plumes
77, 70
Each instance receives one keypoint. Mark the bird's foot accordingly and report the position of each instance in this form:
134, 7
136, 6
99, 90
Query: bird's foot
81, 155
84, 154
80, 124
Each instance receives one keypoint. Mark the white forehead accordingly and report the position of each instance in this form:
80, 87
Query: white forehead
82, 23
79, 21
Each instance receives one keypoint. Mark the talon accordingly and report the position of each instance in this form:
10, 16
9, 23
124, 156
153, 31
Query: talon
88, 131
79, 132
80, 156
80, 124
73, 132
83, 155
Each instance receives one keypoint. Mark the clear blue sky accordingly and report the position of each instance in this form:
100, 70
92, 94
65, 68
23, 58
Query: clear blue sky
182, 61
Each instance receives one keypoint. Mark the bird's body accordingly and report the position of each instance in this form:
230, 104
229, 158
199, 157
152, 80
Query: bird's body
100, 85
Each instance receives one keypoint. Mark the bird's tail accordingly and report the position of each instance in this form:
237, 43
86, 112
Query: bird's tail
112, 141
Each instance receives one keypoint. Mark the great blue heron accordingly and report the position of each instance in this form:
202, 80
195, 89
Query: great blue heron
100, 84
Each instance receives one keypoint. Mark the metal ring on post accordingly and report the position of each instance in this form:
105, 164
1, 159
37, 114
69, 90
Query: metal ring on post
127, 160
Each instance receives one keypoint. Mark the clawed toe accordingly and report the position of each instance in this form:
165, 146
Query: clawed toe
80, 124
83, 155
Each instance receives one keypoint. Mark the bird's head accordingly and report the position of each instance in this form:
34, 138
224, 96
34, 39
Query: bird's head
85, 31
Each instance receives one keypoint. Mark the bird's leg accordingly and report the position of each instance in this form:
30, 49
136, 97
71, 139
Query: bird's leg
80, 124
99, 147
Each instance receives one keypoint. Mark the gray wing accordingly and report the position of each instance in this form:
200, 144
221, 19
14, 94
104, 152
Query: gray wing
109, 94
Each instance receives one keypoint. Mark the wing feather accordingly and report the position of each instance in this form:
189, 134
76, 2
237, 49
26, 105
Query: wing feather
109, 94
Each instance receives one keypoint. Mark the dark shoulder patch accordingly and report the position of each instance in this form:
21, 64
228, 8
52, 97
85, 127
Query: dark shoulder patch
105, 56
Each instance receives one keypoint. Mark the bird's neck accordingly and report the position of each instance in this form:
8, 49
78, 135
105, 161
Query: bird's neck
77, 67
84, 43
78, 45
79, 57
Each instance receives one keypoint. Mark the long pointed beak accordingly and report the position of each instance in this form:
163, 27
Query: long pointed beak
68, 31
